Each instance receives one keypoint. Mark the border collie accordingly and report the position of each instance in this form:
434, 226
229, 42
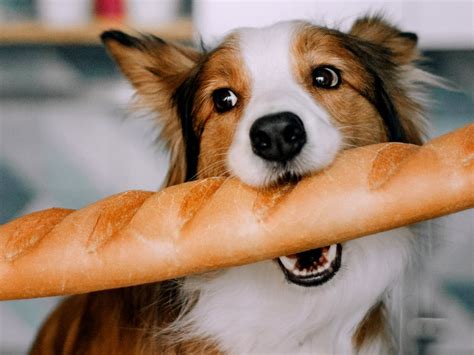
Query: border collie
267, 105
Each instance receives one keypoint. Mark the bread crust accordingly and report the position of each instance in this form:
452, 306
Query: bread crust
138, 237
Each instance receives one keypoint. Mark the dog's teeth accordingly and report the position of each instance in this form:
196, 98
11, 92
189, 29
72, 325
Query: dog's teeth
322, 265
332, 253
289, 263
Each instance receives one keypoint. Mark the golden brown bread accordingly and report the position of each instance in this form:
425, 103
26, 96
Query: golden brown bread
139, 237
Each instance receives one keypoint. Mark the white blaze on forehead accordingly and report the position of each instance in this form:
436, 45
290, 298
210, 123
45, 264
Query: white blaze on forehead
267, 55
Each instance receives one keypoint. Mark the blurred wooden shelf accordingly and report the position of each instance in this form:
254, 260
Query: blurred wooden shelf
36, 33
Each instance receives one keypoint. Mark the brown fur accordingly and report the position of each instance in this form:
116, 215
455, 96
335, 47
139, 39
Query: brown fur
223, 69
376, 30
127, 321
122, 321
349, 107
373, 326
398, 51
156, 69
355, 116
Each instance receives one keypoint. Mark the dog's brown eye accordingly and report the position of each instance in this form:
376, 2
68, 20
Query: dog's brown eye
326, 77
224, 100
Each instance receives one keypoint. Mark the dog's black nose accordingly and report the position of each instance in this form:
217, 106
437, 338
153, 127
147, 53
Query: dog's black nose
278, 137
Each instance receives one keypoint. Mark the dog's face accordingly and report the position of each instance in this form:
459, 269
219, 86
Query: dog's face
275, 104
265, 113
279, 103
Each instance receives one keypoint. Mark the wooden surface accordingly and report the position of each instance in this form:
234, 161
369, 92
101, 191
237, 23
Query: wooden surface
37, 33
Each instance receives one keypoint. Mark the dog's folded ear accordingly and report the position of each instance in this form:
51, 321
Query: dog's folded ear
375, 29
156, 69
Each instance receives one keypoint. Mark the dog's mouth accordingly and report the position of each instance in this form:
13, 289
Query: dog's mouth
313, 267
281, 177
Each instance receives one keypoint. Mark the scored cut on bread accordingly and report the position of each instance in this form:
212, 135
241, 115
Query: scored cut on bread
139, 237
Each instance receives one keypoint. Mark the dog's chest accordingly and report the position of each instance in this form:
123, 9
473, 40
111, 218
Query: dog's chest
253, 310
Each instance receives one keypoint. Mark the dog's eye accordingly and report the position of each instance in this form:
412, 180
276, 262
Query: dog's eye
224, 100
326, 77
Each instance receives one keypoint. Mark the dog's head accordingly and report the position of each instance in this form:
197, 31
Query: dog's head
277, 103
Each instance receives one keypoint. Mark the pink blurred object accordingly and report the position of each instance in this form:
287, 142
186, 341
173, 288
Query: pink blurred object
110, 9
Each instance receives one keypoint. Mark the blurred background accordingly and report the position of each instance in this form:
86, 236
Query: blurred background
67, 137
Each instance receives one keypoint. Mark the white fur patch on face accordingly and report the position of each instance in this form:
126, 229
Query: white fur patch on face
267, 55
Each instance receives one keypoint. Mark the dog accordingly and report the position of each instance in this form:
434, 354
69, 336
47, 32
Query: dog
267, 106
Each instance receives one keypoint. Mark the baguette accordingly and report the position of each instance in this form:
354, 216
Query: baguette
139, 237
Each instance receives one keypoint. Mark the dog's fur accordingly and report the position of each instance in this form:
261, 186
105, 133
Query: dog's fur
254, 309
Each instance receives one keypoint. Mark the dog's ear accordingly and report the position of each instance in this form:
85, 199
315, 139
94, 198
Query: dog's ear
374, 29
156, 69
391, 56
